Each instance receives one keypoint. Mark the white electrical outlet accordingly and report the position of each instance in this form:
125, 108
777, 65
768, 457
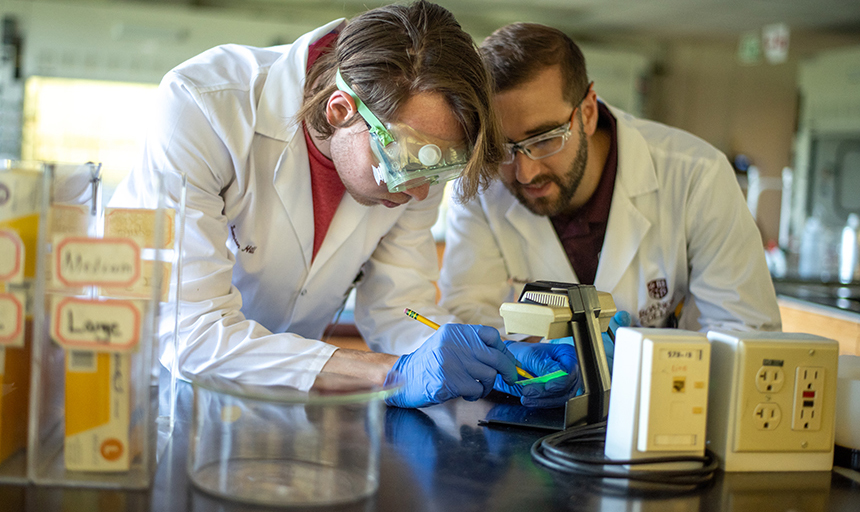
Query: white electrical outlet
659, 398
767, 416
808, 392
771, 404
769, 379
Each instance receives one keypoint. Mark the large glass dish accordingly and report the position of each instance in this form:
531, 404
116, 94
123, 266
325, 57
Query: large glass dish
285, 445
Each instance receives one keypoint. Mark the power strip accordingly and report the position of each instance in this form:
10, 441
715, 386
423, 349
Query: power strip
772, 401
659, 399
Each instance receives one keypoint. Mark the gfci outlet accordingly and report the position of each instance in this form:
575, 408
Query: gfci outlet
808, 390
772, 401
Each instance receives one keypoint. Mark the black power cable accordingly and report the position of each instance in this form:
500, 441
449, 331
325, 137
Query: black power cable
558, 451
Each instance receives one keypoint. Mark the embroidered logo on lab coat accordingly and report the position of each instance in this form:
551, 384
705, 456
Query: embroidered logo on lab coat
658, 288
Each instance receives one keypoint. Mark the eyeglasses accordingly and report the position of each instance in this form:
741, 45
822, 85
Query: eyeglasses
543, 144
540, 146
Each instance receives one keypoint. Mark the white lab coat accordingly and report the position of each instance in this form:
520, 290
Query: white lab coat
253, 304
678, 224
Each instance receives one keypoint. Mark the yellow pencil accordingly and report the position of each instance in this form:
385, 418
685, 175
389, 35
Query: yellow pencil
424, 320
433, 325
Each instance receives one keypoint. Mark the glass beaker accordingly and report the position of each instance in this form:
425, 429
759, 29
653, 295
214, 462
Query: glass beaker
281, 445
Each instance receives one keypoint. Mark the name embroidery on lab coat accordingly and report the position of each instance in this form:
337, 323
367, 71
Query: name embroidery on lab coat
248, 248
656, 312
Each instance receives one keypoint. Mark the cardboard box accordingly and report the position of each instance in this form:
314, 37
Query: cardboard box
14, 395
98, 390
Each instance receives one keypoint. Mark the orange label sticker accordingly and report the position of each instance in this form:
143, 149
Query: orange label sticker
143, 289
11, 256
140, 223
111, 449
80, 261
11, 319
98, 325
69, 219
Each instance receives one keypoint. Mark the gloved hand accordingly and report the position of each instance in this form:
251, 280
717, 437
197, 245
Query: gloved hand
541, 359
459, 360
621, 319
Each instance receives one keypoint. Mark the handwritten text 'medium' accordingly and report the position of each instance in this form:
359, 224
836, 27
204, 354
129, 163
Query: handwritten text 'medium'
94, 266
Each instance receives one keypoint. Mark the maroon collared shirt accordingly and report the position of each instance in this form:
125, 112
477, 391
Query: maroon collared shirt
582, 232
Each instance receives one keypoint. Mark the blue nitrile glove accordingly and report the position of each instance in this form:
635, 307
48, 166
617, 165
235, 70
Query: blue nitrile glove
541, 359
621, 319
459, 360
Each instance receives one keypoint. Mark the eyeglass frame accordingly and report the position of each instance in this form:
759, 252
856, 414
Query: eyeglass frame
562, 131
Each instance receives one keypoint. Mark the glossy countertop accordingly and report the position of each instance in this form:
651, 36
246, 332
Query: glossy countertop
844, 297
440, 459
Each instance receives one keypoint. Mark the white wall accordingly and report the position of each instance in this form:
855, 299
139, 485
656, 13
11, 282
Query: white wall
619, 77
140, 43
127, 42
115, 42
830, 88
830, 108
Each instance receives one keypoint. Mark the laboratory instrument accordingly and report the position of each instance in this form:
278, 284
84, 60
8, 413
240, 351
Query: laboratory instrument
556, 310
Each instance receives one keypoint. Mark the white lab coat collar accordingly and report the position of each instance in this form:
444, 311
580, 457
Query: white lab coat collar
627, 226
275, 118
279, 104
638, 175
537, 227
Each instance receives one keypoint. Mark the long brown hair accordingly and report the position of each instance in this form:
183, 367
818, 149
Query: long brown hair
389, 54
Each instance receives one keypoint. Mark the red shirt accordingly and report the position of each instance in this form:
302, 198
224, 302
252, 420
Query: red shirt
582, 232
326, 187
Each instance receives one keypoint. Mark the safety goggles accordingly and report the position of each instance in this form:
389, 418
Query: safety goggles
543, 144
405, 157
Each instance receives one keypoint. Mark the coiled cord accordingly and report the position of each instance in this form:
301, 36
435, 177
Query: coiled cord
558, 451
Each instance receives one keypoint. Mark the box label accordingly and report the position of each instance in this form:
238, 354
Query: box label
19, 193
140, 223
69, 219
99, 325
12, 319
142, 289
98, 415
96, 261
11, 256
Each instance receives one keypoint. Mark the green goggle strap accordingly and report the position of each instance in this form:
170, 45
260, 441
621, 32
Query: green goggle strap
376, 126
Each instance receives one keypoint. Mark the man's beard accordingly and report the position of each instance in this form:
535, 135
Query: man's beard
567, 184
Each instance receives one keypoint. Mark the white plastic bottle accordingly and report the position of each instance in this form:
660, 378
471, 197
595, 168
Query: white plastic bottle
811, 259
848, 249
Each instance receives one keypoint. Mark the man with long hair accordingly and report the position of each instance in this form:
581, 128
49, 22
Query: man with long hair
312, 168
